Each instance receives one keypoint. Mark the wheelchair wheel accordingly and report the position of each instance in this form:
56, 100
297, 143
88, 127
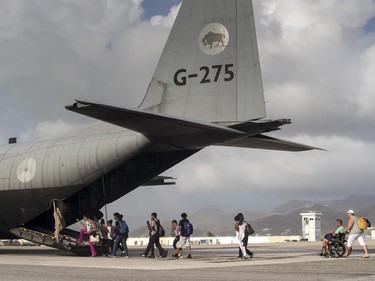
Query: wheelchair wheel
337, 249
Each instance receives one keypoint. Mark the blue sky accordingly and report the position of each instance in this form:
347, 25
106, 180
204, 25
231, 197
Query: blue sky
153, 7
370, 26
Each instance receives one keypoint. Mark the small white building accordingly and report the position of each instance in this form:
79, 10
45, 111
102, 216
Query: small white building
311, 226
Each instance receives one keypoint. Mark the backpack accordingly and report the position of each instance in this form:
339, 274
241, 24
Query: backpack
187, 228
161, 230
249, 229
363, 223
123, 227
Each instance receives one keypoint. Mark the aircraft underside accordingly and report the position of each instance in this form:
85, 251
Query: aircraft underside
36, 208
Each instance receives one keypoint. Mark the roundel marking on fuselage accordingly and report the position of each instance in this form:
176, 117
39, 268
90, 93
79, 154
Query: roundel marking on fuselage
213, 39
26, 170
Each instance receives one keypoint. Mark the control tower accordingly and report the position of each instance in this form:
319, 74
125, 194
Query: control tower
311, 226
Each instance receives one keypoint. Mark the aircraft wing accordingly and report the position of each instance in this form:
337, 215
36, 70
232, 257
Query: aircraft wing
264, 142
177, 131
187, 133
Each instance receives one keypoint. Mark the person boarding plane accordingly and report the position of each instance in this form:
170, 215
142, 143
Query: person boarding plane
206, 91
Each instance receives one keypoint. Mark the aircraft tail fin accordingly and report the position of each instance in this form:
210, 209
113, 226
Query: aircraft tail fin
209, 69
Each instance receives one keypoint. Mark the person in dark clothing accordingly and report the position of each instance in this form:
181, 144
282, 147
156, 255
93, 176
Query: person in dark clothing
243, 236
153, 228
186, 229
122, 235
104, 231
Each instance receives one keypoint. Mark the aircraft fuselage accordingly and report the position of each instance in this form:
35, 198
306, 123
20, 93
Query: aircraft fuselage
32, 174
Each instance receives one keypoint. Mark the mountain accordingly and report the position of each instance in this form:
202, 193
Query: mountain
291, 224
290, 206
357, 202
210, 220
285, 220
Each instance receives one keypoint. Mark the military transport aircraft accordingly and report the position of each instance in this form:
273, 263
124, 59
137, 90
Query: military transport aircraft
206, 90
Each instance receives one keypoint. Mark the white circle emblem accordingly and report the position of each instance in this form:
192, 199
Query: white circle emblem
26, 170
213, 39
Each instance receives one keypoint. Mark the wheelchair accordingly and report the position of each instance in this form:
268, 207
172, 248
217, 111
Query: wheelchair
336, 247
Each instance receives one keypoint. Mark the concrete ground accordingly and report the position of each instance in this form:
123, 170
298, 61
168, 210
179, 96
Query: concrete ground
284, 261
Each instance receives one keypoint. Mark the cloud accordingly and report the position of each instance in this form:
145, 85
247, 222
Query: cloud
48, 129
314, 58
367, 86
168, 20
55, 52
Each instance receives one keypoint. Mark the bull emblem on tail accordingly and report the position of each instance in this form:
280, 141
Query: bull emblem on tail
212, 37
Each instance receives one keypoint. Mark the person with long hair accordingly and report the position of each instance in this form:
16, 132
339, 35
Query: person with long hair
89, 228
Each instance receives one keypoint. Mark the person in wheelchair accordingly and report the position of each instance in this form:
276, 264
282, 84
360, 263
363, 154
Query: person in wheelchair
332, 235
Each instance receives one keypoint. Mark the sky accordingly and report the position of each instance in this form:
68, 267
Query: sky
318, 68
154, 7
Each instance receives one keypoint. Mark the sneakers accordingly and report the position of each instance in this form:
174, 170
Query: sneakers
175, 256
125, 257
143, 255
164, 255
189, 256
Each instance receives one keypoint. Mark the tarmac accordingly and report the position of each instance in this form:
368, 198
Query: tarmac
281, 261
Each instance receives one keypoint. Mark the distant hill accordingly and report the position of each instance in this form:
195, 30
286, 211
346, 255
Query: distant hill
208, 220
216, 221
290, 206
291, 224
357, 202
285, 220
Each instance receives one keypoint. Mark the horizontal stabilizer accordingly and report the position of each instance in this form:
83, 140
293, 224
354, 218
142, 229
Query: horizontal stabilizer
176, 131
160, 180
254, 128
265, 142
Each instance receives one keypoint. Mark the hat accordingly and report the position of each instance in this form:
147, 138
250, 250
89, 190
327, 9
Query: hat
350, 212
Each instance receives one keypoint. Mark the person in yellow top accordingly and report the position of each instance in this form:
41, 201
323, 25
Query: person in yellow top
329, 236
